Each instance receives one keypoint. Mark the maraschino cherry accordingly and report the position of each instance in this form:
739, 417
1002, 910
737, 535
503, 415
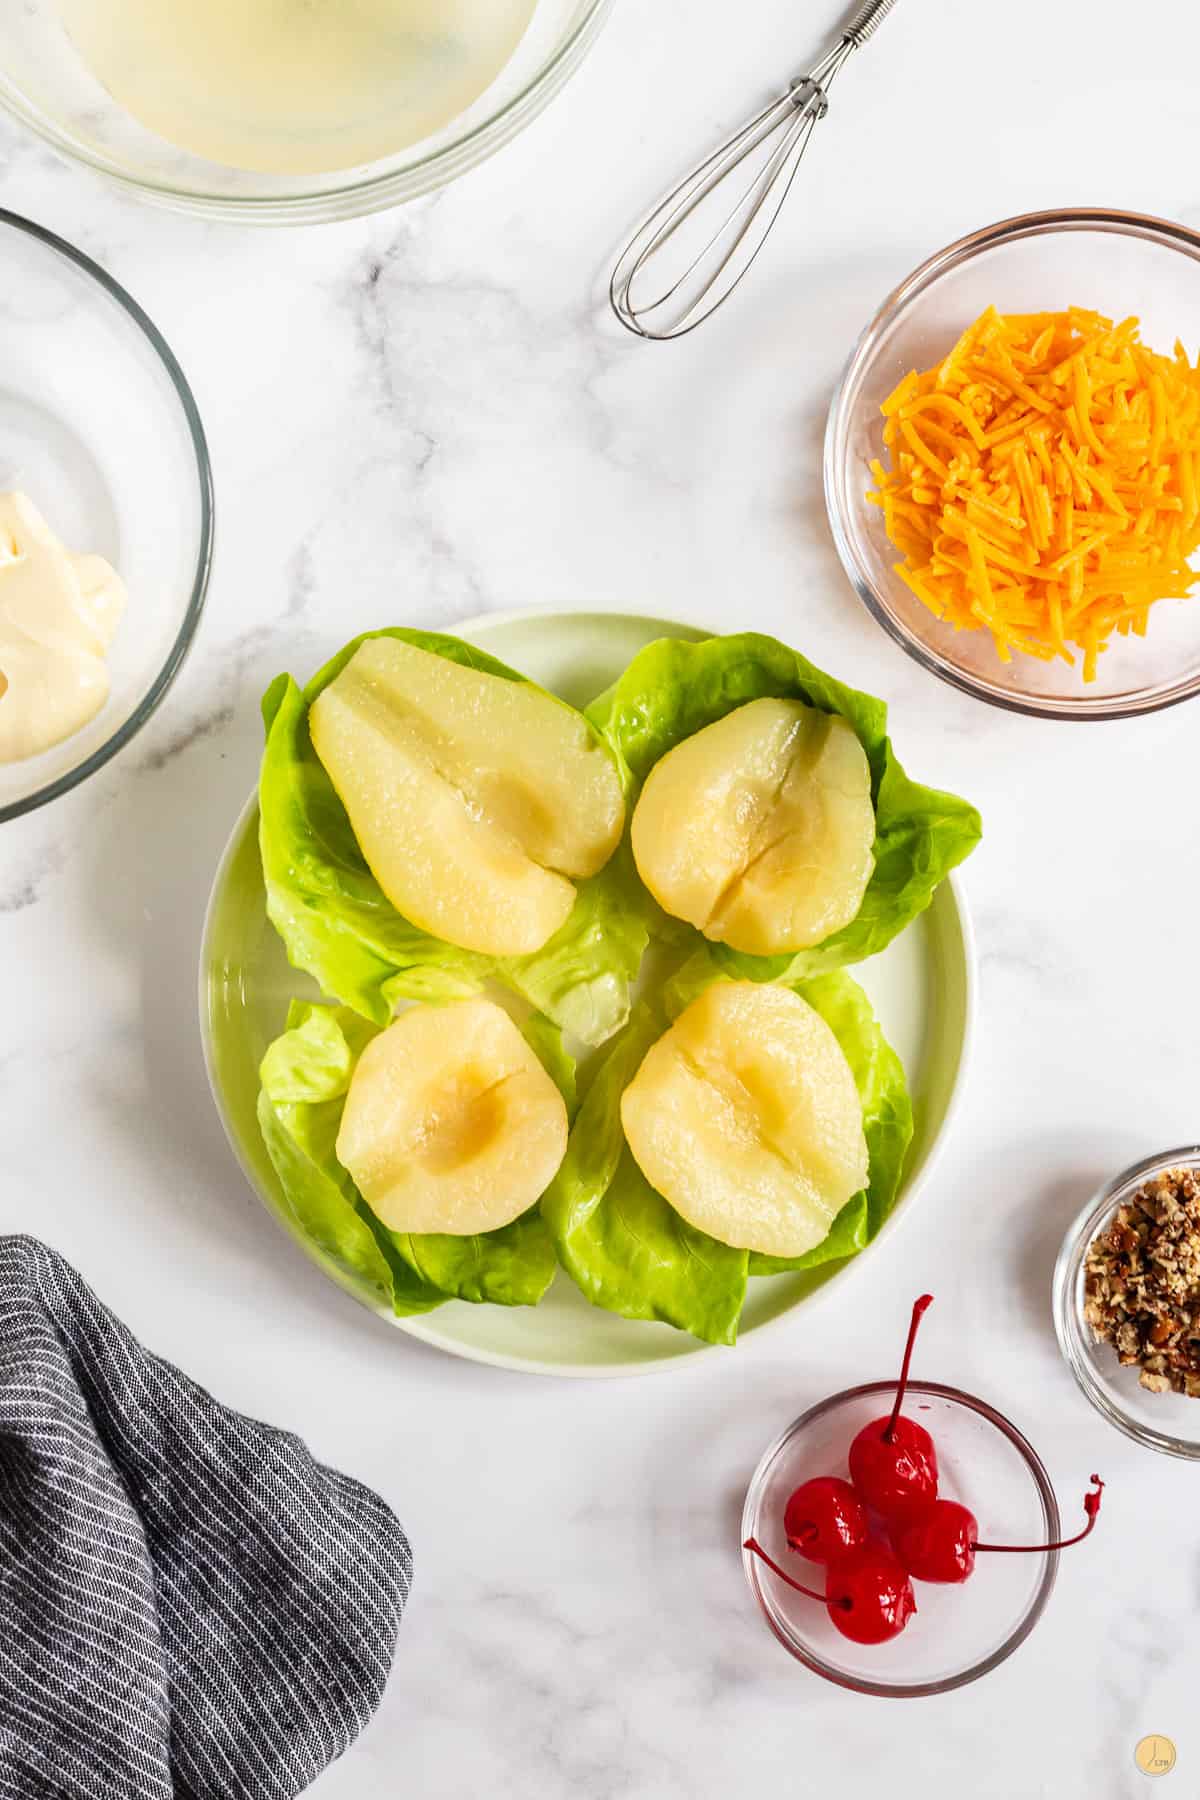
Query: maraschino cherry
868, 1594
893, 1463
824, 1519
940, 1541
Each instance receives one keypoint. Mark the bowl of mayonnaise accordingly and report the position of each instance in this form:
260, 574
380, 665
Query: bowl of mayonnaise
106, 517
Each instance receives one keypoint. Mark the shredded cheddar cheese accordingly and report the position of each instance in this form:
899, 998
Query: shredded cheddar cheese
1044, 483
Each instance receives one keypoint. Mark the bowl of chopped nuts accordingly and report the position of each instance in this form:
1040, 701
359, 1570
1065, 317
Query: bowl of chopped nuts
1127, 1302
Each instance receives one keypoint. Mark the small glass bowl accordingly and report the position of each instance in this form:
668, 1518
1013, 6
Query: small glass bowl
1117, 263
47, 86
1167, 1422
959, 1632
98, 426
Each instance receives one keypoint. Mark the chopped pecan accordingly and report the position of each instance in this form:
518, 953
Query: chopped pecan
1142, 1283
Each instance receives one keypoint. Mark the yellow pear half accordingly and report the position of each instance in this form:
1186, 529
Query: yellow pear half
476, 801
451, 1123
758, 830
746, 1117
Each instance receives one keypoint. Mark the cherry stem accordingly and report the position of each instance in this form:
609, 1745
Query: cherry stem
754, 1545
920, 1308
1091, 1506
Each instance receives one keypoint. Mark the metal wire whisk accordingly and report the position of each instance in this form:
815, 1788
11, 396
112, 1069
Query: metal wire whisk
706, 281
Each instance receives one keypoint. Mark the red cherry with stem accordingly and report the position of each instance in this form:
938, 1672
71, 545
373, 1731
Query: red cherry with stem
894, 1474
893, 1463
868, 1594
825, 1518
936, 1542
940, 1542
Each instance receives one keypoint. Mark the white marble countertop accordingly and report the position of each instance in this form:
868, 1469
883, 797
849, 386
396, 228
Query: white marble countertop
429, 415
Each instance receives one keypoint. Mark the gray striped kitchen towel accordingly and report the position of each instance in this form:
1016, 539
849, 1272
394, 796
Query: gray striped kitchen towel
191, 1607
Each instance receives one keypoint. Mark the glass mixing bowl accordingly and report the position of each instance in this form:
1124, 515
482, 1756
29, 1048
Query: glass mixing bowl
959, 1632
45, 83
1115, 263
1167, 1422
98, 426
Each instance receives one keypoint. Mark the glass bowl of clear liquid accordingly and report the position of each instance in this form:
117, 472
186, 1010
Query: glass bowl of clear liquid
286, 110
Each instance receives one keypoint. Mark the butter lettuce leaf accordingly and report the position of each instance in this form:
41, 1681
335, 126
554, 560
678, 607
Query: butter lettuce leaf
305, 1076
338, 925
583, 977
510, 1267
626, 1247
673, 689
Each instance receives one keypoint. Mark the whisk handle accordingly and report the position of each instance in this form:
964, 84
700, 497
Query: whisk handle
866, 21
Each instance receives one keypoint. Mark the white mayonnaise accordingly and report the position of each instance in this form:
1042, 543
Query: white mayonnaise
58, 615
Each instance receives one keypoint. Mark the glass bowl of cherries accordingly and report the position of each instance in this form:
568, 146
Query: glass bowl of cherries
902, 1538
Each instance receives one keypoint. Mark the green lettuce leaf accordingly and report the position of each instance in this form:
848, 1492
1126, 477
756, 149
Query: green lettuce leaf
314, 1059
510, 1267
628, 1250
621, 1243
582, 978
673, 689
305, 1075
337, 924
545, 1039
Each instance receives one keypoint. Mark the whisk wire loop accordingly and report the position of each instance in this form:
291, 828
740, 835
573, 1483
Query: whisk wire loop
733, 227
725, 257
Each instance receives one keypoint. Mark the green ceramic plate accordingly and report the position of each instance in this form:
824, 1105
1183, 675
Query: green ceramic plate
922, 988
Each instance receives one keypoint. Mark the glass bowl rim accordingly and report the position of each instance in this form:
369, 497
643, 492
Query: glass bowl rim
1167, 233
155, 693
342, 199
1073, 1334
912, 1690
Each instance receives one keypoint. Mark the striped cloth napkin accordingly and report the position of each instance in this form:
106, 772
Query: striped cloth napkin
191, 1607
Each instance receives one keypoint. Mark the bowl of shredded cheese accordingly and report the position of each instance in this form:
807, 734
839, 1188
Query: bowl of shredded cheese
1012, 464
